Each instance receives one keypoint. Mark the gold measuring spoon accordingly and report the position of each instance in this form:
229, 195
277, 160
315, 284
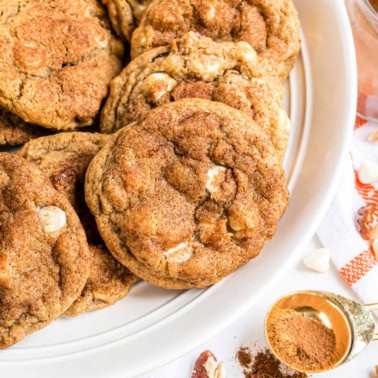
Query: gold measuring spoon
352, 323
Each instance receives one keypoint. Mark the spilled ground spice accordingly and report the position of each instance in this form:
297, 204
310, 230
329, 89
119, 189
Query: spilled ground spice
263, 365
300, 341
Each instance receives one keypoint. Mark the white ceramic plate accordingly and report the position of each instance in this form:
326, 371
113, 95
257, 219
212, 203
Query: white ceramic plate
152, 326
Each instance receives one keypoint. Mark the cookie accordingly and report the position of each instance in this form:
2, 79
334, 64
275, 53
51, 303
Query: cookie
64, 158
121, 17
270, 26
125, 15
108, 282
197, 67
44, 255
188, 194
14, 131
57, 60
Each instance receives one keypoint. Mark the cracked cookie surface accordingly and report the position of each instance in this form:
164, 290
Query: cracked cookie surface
125, 15
57, 59
270, 26
14, 131
44, 255
64, 158
197, 67
188, 194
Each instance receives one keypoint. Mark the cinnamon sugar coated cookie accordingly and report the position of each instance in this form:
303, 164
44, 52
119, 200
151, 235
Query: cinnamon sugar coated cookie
57, 59
197, 67
188, 194
44, 255
64, 158
108, 282
270, 26
125, 15
15, 131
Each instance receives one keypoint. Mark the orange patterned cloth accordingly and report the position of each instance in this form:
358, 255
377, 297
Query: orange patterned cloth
351, 224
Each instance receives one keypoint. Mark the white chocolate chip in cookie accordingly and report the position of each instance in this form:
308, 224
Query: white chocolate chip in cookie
181, 253
52, 218
213, 177
207, 67
247, 51
102, 42
318, 260
157, 85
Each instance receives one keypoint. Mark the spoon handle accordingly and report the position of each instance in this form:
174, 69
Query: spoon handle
371, 306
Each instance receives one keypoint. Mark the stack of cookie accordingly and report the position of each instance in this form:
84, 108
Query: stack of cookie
184, 183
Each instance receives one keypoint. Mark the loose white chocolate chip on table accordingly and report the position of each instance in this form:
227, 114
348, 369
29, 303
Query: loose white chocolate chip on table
212, 174
214, 370
318, 260
368, 173
52, 218
181, 253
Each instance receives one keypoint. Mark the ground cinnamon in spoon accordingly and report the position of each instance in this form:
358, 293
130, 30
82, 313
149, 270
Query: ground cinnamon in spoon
301, 342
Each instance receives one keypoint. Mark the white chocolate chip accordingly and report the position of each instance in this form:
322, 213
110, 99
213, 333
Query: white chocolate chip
214, 370
52, 218
158, 80
247, 51
318, 260
285, 120
101, 42
181, 253
212, 174
368, 173
210, 14
206, 66
89, 12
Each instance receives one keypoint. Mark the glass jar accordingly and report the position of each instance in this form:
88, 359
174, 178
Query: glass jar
363, 16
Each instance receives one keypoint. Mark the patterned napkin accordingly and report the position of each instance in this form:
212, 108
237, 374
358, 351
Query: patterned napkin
351, 224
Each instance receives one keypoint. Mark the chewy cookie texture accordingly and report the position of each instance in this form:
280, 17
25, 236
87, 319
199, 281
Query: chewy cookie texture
271, 27
188, 194
44, 255
57, 59
195, 66
64, 158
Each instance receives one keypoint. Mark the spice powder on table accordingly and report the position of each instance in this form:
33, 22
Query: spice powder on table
263, 364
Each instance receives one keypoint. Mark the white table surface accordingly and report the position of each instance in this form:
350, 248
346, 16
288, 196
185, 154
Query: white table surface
248, 330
